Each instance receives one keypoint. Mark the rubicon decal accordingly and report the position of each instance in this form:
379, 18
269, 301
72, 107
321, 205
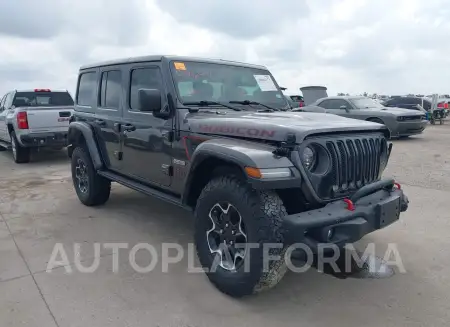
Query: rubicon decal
241, 131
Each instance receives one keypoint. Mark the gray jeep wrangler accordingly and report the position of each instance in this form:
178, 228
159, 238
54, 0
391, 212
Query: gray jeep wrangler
218, 138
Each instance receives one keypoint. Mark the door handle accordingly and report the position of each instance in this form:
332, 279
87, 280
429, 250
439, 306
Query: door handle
128, 127
100, 122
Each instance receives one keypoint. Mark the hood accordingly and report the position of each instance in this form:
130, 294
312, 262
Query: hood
398, 111
273, 126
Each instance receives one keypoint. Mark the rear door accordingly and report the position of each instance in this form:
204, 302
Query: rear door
146, 142
109, 114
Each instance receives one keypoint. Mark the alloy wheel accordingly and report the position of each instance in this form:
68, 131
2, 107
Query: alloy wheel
227, 237
81, 176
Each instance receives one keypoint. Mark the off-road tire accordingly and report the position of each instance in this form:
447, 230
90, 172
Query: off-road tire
262, 213
20, 154
99, 188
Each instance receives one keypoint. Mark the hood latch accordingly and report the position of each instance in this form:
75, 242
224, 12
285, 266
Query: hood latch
285, 147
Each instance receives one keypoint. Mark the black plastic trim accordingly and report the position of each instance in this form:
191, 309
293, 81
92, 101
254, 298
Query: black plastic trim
374, 211
140, 187
88, 134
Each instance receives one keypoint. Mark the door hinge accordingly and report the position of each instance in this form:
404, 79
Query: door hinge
169, 136
118, 155
167, 169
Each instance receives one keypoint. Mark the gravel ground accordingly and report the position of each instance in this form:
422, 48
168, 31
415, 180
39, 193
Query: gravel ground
39, 209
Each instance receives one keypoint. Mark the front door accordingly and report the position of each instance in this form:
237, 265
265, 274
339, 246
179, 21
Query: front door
146, 142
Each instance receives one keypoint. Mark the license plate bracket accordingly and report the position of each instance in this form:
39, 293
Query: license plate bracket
388, 211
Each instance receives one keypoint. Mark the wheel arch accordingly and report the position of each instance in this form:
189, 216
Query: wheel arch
81, 134
227, 156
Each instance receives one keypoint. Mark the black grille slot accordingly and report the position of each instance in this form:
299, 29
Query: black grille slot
412, 118
355, 162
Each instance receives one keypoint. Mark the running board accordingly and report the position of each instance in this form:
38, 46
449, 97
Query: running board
5, 145
143, 188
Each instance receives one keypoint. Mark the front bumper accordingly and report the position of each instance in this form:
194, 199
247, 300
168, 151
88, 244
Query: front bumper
375, 206
410, 128
51, 139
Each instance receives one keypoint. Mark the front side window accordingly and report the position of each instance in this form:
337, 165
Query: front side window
366, 103
143, 78
337, 104
196, 81
86, 89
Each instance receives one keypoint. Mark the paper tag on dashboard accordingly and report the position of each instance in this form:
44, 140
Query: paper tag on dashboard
265, 83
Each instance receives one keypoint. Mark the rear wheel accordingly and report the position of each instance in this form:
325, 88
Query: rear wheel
238, 236
20, 154
92, 189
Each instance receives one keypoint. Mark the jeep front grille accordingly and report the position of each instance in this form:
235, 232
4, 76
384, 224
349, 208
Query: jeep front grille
354, 161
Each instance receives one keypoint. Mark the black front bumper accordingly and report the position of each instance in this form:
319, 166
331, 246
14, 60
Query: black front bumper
44, 139
372, 207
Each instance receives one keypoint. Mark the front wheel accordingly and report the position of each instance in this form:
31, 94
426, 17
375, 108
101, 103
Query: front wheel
92, 189
238, 236
20, 153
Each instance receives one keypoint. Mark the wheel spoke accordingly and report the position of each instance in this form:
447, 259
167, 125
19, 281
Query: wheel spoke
226, 238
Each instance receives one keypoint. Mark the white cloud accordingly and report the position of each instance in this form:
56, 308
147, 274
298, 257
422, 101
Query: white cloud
353, 46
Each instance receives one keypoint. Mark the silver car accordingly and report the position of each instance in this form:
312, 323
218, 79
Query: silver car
401, 122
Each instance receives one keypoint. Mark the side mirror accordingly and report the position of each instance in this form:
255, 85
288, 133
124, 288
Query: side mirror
344, 108
149, 100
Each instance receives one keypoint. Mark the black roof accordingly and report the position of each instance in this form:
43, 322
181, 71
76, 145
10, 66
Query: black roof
161, 57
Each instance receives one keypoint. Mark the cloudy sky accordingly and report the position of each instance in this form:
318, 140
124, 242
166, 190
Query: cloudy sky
355, 46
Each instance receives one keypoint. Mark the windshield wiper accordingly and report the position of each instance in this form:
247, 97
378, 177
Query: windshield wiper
205, 103
249, 103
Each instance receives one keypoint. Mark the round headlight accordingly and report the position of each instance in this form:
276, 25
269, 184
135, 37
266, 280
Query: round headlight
309, 158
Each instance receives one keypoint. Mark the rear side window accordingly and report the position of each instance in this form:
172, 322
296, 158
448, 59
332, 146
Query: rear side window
111, 89
143, 78
39, 99
86, 89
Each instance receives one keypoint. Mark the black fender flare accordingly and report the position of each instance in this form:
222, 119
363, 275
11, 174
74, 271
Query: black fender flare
242, 154
86, 130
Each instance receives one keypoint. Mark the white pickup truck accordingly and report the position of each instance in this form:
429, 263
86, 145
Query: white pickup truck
32, 119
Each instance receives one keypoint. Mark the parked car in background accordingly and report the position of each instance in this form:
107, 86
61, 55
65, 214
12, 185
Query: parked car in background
298, 99
401, 122
292, 103
32, 119
408, 103
413, 103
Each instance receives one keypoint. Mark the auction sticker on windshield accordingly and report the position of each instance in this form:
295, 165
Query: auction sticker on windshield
179, 65
265, 83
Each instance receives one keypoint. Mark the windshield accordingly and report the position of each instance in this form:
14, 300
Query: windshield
47, 99
364, 103
196, 81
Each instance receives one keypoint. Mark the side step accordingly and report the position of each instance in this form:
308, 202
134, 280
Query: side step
143, 188
5, 145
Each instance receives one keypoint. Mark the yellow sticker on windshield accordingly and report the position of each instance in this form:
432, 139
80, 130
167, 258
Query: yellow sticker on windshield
179, 66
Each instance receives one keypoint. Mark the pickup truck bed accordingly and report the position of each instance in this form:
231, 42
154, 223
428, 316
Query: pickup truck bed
38, 118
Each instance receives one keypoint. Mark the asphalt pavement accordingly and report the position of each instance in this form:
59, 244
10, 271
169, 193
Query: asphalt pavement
40, 212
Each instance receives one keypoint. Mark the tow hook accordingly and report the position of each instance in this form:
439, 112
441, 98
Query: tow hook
350, 205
